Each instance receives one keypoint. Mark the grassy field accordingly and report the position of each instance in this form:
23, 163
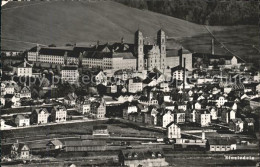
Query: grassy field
241, 40
83, 128
70, 22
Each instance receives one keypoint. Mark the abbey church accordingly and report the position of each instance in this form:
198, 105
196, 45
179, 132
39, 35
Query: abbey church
137, 56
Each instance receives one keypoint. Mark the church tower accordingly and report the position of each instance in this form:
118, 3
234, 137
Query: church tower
161, 42
139, 50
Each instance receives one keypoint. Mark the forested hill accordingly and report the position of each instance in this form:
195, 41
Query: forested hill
210, 12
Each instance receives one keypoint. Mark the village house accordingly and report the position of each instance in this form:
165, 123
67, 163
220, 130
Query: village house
164, 86
168, 105
123, 74
197, 106
83, 106
135, 85
59, 114
70, 99
179, 116
236, 125
167, 118
20, 151
98, 109
173, 131
227, 115
22, 120
201, 117
100, 78
166, 97
214, 113
181, 106
8, 87
128, 110
25, 92
40, 116
23, 69
4, 125
14, 99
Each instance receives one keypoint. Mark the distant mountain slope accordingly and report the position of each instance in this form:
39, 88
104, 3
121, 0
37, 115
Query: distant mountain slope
71, 22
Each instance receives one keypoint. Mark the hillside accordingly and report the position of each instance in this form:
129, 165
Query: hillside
213, 12
50, 22
70, 22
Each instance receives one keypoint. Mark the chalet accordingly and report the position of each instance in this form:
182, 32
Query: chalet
25, 92
20, 151
22, 120
54, 144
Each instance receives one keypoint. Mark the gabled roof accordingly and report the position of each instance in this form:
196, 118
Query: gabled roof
39, 110
249, 120
171, 124
84, 143
22, 117
237, 120
221, 141
55, 142
71, 96
177, 68
57, 108
23, 65
8, 96
69, 67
